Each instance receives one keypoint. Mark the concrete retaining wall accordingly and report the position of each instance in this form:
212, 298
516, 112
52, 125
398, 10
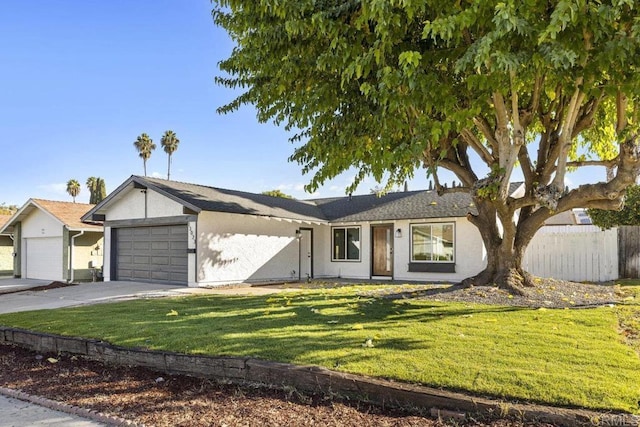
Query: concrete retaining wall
309, 379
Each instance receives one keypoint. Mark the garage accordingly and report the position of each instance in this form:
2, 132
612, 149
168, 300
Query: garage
154, 253
43, 258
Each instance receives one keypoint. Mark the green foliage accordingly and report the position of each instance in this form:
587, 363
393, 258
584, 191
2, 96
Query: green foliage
277, 193
393, 82
7, 209
169, 142
145, 146
629, 215
97, 189
73, 188
559, 357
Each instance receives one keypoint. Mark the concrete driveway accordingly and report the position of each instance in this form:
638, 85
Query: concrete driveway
85, 293
101, 292
9, 284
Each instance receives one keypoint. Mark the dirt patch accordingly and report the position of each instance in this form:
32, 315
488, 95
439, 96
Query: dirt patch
155, 399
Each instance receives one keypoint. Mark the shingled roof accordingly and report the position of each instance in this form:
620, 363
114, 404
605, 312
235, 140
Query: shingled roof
204, 198
401, 205
3, 220
370, 207
69, 214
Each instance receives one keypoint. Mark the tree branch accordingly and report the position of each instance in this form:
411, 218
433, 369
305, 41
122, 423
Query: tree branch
581, 163
485, 128
566, 135
586, 118
512, 149
477, 146
621, 112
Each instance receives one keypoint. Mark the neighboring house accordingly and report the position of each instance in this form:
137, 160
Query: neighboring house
168, 231
6, 249
52, 243
576, 216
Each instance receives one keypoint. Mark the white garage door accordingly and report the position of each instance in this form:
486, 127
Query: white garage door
43, 258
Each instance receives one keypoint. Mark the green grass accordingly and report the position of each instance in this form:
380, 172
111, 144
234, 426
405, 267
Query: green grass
558, 357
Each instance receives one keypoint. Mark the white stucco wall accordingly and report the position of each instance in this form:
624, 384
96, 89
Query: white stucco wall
132, 206
470, 256
242, 248
346, 269
40, 224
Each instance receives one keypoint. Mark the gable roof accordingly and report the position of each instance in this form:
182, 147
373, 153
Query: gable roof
369, 207
66, 213
199, 198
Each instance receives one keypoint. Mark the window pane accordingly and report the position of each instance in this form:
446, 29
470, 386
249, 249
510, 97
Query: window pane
421, 243
353, 243
442, 242
432, 242
338, 243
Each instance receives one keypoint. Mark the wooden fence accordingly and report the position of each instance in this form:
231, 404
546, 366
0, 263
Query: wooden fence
578, 253
629, 251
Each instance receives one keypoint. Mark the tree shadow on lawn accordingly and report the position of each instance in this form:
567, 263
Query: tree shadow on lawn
289, 327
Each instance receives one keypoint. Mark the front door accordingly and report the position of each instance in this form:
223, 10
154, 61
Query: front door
306, 254
382, 250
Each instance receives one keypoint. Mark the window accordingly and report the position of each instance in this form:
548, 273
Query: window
346, 244
432, 243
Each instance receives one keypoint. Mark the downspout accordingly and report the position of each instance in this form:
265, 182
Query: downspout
73, 240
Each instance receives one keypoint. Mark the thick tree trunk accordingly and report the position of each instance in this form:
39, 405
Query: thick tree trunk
505, 248
504, 267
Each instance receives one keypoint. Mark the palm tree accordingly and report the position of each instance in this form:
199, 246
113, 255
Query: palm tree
170, 143
145, 146
91, 186
101, 190
73, 188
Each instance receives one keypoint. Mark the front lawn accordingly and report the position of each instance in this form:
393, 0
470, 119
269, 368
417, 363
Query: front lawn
558, 357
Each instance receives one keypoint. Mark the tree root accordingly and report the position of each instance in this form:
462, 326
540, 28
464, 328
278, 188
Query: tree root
512, 280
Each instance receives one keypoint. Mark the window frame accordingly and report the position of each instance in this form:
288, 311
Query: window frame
346, 243
412, 260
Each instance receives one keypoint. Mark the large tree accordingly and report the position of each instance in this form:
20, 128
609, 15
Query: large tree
73, 188
390, 87
629, 215
145, 146
97, 189
170, 144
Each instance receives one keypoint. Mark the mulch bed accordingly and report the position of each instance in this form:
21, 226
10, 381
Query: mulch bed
548, 293
155, 399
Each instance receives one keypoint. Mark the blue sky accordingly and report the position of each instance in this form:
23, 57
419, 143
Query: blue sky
80, 80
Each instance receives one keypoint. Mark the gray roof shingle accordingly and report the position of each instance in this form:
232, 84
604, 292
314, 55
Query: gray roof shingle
401, 205
369, 207
238, 202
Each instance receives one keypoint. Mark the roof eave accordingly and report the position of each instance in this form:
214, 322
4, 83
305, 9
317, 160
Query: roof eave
135, 180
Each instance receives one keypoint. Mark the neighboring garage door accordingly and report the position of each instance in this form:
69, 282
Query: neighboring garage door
43, 258
157, 254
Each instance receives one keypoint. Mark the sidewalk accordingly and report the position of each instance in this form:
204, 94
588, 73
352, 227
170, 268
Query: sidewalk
18, 413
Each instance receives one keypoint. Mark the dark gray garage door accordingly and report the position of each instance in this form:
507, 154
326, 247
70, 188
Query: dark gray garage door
157, 254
